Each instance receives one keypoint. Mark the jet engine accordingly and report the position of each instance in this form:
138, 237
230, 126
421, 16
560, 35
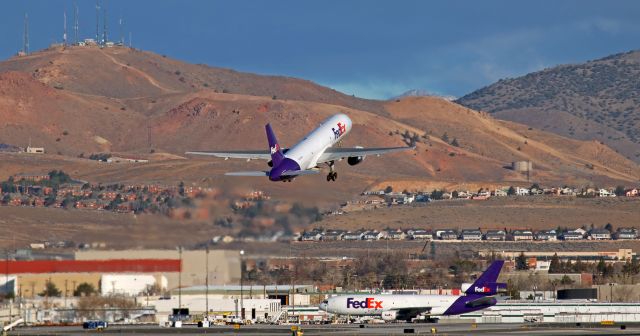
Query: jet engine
354, 160
390, 315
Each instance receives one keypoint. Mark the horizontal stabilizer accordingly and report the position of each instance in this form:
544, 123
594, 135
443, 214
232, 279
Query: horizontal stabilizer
248, 173
301, 172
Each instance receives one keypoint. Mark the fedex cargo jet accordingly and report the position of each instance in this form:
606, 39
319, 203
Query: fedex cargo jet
478, 296
307, 155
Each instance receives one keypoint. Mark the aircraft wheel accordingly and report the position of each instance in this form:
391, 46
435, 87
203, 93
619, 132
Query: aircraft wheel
329, 177
335, 176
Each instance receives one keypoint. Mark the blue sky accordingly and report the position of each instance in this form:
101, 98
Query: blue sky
373, 49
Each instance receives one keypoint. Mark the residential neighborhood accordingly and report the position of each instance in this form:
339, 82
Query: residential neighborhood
470, 235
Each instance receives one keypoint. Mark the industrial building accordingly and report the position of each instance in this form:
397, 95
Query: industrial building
560, 311
127, 272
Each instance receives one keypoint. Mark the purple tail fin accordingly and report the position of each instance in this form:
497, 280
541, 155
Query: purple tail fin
274, 147
486, 284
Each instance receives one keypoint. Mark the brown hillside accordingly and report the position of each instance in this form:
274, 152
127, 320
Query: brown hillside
88, 100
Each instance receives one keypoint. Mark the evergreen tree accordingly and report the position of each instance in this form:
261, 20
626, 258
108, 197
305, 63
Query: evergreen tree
50, 289
445, 137
455, 142
521, 262
511, 191
554, 266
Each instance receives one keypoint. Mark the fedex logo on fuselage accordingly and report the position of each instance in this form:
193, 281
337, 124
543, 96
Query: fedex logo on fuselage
483, 289
342, 129
369, 303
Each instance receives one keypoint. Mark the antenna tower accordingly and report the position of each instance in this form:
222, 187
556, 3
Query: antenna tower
64, 35
25, 37
104, 29
98, 21
76, 26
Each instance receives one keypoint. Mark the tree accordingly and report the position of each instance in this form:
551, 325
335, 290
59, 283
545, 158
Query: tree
455, 143
388, 189
566, 280
84, 289
535, 186
50, 289
619, 191
511, 191
609, 227
445, 137
554, 266
521, 262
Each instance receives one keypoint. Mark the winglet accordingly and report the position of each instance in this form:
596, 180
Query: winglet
274, 147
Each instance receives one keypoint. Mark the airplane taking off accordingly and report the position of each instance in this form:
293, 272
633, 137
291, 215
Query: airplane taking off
390, 307
305, 157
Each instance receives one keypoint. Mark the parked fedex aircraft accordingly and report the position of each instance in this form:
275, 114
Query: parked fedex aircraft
390, 307
306, 156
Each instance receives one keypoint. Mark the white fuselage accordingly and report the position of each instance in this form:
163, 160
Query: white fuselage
307, 152
376, 304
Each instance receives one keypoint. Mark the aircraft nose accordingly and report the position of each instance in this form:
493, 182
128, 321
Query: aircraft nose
323, 306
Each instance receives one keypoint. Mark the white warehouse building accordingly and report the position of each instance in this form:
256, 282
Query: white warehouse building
130, 284
566, 311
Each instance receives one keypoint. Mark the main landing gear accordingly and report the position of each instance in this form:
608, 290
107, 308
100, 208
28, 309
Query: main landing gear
333, 175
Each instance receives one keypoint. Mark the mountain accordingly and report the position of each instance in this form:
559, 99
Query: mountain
83, 100
598, 100
423, 93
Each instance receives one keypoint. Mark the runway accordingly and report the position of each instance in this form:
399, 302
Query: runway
353, 329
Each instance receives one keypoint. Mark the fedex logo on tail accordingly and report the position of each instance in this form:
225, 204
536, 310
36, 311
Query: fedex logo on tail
483, 289
275, 149
342, 129
369, 303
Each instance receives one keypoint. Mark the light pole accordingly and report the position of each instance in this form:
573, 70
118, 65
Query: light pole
206, 290
610, 292
241, 283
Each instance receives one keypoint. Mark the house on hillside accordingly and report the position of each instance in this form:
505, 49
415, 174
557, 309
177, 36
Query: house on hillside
447, 234
500, 193
547, 235
495, 235
626, 233
522, 191
606, 193
599, 234
373, 235
333, 235
420, 234
471, 234
631, 192
522, 235
395, 234
573, 235
356, 235
311, 236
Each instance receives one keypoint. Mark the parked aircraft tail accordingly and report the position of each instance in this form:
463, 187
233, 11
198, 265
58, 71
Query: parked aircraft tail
486, 284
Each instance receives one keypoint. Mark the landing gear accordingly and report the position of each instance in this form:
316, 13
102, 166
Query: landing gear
333, 175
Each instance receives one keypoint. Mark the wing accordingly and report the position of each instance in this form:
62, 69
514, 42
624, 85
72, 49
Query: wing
332, 154
248, 155
248, 173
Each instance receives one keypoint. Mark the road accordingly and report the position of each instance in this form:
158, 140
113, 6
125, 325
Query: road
354, 329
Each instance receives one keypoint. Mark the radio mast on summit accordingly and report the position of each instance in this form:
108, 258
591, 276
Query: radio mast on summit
98, 21
76, 26
64, 34
25, 36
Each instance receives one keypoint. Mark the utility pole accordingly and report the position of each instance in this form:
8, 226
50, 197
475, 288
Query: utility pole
66, 292
206, 290
241, 283
180, 278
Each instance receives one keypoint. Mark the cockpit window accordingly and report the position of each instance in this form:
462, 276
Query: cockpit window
325, 301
